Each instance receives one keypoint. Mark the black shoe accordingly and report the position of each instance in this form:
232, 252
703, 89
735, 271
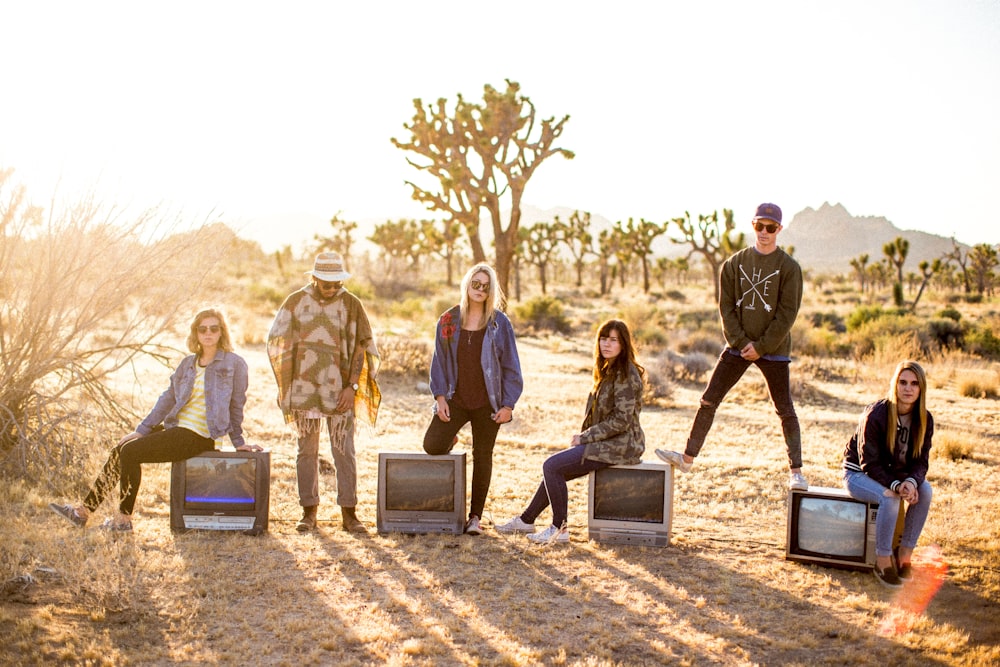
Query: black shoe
905, 572
887, 577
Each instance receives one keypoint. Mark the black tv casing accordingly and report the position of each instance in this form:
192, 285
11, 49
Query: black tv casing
218, 515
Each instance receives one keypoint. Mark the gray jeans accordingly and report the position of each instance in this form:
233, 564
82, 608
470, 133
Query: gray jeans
307, 464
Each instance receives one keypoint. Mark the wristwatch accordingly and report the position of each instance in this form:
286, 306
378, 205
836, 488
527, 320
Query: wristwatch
354, 386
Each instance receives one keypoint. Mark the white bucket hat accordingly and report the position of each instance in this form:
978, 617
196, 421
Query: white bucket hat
329, 266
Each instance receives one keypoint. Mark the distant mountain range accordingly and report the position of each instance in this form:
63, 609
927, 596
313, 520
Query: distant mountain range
828, 238
825, 240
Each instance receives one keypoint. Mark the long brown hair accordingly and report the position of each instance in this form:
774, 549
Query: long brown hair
919, 410
225, 343
618, 366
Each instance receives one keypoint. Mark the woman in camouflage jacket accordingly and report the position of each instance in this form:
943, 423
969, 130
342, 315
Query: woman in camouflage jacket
611, 434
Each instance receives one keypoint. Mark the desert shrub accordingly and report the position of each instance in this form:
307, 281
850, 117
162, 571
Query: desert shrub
675, 295
701, 342
887, 330
413, 308
818, 342
830, 320
659, 384
952, 447
669, 366
950, 312
268, 296
982, 342
698, 319
978, 385
946, 332
543, 313
973, 298
74, 313
863, 315
404, 356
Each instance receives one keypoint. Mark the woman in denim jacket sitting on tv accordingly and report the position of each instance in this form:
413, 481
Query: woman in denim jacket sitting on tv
203, 403
886, 463
611, 434
475, 377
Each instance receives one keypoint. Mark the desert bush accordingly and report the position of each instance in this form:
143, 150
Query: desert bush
946, 332
953, 447
701, 342
543, 313
659, 384
978, 385
982, 342
404, 356
950, 312
698, 319
267, 296
830, 320
85, 293
863, 315
675, 295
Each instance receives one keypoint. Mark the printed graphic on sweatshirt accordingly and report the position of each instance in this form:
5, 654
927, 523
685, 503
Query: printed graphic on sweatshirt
756, 287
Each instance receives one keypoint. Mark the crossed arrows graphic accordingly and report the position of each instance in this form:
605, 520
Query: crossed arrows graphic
754, 286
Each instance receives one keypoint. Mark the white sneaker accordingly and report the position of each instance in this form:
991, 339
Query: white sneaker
676, 459
515, 525
797, 481
472, 526
550, 534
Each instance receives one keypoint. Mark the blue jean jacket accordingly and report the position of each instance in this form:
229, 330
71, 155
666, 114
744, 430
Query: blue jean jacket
226, 380
501, 365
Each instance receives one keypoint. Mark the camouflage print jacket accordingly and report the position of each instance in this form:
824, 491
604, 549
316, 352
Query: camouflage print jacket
611, 429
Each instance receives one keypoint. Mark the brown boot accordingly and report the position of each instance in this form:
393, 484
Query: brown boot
351, 522
308, 520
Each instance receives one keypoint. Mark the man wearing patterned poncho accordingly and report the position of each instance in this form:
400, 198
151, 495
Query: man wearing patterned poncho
324, 358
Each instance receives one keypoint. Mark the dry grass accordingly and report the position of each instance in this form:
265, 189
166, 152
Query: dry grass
721, 593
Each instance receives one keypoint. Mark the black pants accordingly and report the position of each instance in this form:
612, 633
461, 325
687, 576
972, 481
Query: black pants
123, 464
440, 437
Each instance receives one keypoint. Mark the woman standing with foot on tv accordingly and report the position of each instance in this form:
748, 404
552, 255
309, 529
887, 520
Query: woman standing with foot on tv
203, 403
611, 434
886, 463
475, 377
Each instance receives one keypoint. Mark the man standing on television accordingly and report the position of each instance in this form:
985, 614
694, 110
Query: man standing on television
759, 298
323, 354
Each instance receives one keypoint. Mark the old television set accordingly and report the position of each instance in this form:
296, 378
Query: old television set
827, 526
421, 493
221, 490
631, 504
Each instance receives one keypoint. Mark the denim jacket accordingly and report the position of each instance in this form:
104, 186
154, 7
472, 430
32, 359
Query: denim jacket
226, 380
501, 365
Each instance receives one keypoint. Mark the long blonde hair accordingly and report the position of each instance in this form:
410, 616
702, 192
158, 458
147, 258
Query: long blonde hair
494, 299
919, 410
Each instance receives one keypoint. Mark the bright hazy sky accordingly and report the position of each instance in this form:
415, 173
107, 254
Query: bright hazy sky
248, 110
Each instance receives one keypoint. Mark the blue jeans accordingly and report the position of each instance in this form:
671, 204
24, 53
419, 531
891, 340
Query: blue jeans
556, 471
728, 371
864, 488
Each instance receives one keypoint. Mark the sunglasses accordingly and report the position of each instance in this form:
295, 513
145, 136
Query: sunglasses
327, 285
214, 328
770, 227
482, 287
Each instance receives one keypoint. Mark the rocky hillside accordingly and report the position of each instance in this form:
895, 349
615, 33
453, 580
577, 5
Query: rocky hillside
828, 238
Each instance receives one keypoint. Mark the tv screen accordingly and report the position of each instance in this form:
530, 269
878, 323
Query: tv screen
221, 490
412, 484
419, 493
629, 495
631, 504
219, 483
828, 527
